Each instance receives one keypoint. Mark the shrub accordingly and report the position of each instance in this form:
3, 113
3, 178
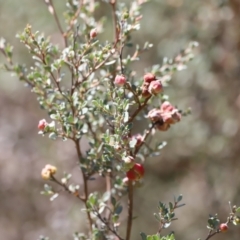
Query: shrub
90, 91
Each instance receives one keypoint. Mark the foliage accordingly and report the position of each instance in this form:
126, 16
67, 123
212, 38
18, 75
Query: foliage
91, 92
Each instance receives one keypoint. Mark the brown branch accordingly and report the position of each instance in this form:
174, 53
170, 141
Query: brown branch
65, 187
144, 138
85, 185
107, 224
139, 109
135, 95
109, 188
211, 234
115, 22
130, 210
74, 18
52, 10
97, 66
10, 69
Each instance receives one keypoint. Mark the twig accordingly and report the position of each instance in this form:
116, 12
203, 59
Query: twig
65, 187
91, 131
107, 224
143, 140
115, 22
139, 109
74, 17
135, 95
130, 210
10, 69
211, 234
79, 154
52, 10
85, 78
109, 188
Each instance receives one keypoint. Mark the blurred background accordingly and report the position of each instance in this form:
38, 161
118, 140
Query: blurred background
201, 160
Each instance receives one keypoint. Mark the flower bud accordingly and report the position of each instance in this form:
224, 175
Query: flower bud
125, 181
155, 87
93, 33
155, 115
236, 220
149, 77
162, 126
145, 92
136, 172
128, 163
120, 80
128, 159
223, 227
42, 124
138, 138
166, 106
48, 171
171, 117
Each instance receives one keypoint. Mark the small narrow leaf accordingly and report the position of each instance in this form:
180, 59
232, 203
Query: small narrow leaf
54, 196
238, 209
179, 198
143, 235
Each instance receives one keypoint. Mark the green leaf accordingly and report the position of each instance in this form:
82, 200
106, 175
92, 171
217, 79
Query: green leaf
179, 198
155, 237
143, 235
54, 196
129, 45
157, 217
133, 143
110, 63
53, 136
126, 117
118, 210
54, 116
238, 209
113, 201
106, 196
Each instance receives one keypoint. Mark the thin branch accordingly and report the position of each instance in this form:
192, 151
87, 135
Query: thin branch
144, 138
135, 95
74, 17
109, 188
52, 10
91, 131
139, 109
115, 22
97, 66
10, 69
107, 225
120, 58
130, 210
211, 234
65, 187
85, 185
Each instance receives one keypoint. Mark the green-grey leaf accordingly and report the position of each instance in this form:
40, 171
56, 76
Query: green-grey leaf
143, 235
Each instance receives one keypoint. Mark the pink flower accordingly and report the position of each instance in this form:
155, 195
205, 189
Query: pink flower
120, 80
42, 124
155, 87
